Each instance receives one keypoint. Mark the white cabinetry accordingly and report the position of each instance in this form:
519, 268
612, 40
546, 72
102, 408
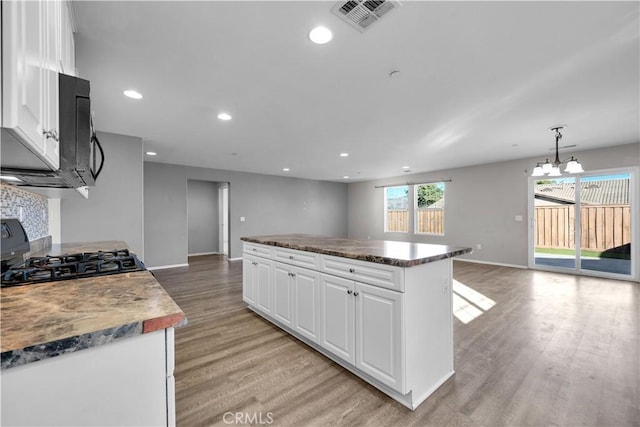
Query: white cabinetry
283, 294
390, 325
362, 324
37, 40
256, 282
306, 286
338, 316
128, 382
380, 334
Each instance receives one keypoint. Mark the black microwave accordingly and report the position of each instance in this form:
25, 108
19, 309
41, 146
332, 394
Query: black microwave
79, 147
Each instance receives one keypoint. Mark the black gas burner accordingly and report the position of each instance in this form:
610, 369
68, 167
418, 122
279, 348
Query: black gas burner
72, 266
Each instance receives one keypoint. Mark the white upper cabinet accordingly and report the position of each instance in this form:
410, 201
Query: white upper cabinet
68, 46
37, 44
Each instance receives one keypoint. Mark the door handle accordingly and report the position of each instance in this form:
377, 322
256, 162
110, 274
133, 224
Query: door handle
349, 291
355, 294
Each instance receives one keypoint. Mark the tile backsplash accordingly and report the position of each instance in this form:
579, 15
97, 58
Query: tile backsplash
31, 209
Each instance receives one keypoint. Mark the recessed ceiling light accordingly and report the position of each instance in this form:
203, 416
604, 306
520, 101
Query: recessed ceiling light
344, 154
224, 116
405, 167
286, 169
346, 177
320, 35
151, 153
132, 94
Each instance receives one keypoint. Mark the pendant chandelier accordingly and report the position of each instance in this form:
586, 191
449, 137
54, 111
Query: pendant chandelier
553, 168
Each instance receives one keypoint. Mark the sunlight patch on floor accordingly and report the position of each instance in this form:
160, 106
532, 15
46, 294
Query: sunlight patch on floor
464, 299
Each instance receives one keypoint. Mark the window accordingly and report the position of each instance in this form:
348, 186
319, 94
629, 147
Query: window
429, 214
396, 208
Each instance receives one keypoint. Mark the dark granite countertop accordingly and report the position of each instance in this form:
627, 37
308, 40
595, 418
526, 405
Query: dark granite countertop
48, 319
401, 254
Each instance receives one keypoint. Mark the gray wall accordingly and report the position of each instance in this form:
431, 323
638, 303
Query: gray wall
114, 209
481, 203
270, 204
202, 217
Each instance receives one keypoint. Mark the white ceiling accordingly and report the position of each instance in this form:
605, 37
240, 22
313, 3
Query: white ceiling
480, 82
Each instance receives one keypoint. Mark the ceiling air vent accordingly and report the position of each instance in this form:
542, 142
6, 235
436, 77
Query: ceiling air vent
360, 14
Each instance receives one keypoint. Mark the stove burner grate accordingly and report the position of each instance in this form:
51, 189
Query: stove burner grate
72, 266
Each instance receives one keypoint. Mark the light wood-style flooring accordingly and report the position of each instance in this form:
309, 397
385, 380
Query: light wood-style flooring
555, 349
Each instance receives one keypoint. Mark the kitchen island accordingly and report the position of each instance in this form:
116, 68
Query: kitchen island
381, 309
91, 351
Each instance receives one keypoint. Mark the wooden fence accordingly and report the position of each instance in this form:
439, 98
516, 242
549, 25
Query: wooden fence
602, 227
427, 221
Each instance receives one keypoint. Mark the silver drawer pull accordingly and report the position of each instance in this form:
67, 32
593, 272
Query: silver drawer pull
254, 263
352, 270
255, 250
290, 256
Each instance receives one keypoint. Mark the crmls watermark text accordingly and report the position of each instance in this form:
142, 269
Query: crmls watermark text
248, 418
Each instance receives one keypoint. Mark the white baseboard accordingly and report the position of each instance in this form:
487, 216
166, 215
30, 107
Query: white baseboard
204, 253
234, 259
500, 264
162, 267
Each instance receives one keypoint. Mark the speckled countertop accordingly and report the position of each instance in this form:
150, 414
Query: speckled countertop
44, 320
402, 254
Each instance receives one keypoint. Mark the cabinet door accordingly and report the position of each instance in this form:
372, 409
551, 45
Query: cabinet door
283, 294
337, 316
263, 285
52, 54
248, 273
307, 303
379, 334
67, 47
23, 66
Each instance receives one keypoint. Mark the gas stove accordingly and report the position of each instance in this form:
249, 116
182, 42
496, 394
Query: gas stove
71, 266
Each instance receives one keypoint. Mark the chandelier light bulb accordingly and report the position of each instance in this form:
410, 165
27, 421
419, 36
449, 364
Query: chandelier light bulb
573, 166
537, 171
555, 171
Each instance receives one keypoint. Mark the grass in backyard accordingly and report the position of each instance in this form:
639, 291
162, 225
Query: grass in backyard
583, 253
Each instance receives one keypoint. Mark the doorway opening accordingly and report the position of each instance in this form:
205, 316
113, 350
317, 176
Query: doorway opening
585, 224
207, 218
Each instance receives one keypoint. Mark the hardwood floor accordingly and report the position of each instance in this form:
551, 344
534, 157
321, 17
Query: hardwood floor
554, 350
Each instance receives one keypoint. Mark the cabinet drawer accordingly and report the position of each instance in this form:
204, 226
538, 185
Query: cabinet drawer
299, 258
386, 276
258, 250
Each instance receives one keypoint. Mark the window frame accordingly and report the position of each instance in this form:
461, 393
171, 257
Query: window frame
416, 209
385, 210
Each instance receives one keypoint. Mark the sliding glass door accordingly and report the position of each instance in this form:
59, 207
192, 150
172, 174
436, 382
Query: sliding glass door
554, 216
585, 224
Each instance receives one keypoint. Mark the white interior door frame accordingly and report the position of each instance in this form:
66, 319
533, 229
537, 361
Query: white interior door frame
223, 206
